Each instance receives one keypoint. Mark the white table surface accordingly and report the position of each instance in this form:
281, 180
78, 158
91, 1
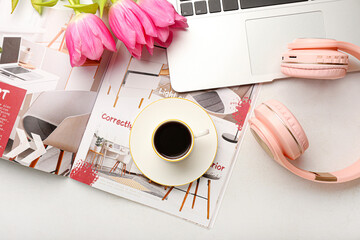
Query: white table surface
37, 205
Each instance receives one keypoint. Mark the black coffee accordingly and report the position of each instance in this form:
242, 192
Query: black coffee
172, 140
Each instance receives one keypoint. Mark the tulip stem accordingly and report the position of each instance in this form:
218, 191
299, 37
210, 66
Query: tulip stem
73, 2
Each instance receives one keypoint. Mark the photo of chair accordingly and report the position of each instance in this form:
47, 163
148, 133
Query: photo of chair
118, 153
217, 101
59, 118
223, 103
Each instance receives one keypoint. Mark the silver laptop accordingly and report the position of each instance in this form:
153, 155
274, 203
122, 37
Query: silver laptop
237, 42
9, 61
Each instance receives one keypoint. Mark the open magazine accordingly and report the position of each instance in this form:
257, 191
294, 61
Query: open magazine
89, 142
44, 102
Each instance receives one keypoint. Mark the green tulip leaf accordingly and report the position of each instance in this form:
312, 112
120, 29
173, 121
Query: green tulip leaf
50, 3
85, 8
39, 9
13, 5
101, 4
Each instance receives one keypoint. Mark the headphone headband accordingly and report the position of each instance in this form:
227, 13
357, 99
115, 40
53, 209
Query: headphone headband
318, 43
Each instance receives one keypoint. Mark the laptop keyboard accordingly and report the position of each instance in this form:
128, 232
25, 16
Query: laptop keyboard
16, 70
191, 8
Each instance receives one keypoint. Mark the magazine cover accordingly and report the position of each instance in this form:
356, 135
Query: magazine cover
104, 160
44, 102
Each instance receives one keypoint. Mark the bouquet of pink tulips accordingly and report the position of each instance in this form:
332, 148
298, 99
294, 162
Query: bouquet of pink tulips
136, 23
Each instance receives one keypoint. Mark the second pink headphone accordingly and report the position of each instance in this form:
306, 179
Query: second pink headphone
278, 131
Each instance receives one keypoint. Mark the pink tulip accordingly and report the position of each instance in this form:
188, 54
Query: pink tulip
165, 17
132, 26
167, 42
86, 37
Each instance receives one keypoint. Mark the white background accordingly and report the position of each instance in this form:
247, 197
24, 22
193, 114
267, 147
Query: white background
263, 201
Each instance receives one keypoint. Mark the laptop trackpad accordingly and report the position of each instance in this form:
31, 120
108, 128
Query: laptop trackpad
268, 37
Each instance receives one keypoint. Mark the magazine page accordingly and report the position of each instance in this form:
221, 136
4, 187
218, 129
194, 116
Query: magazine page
104, 160
44, 102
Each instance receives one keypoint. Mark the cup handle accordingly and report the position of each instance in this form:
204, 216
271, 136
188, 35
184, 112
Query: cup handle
201, 133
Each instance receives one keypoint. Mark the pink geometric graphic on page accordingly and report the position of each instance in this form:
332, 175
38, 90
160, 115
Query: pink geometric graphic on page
84, 173
242, 109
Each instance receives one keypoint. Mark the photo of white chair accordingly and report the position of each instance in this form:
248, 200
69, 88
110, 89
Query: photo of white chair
59, 118
118, 153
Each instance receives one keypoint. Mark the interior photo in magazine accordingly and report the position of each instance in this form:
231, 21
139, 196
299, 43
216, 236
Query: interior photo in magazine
104, 159
48, 121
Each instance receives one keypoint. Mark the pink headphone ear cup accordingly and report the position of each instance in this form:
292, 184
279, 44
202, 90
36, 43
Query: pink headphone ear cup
315, 71
291, 123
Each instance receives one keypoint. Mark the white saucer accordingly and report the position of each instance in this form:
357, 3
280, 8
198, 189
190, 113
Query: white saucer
173, 173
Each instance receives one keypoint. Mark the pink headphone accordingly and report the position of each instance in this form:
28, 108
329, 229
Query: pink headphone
278, 131
318, 58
